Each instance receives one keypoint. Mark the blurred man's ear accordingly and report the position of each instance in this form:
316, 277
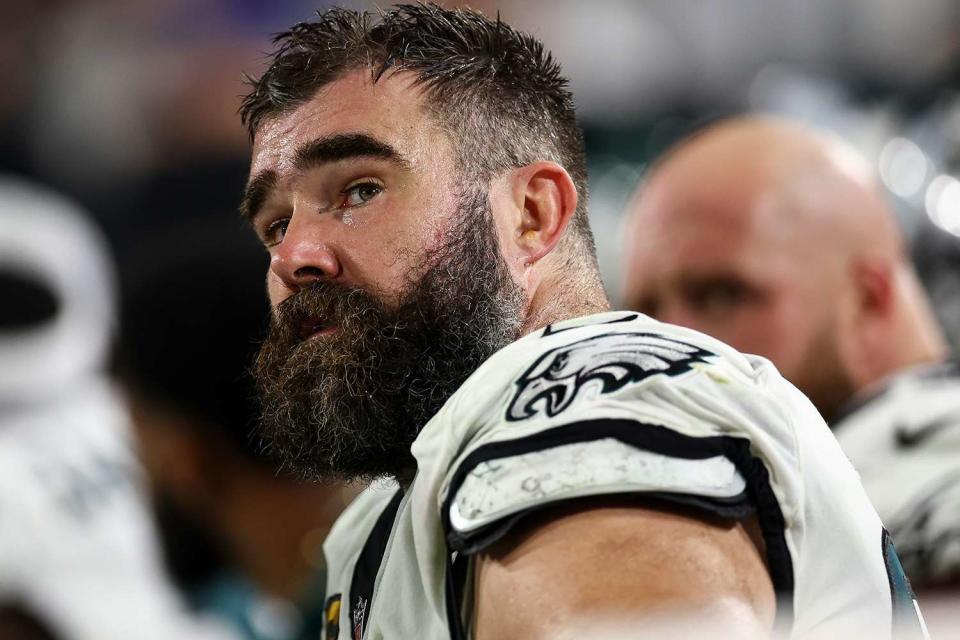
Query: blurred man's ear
867, 314
873, 281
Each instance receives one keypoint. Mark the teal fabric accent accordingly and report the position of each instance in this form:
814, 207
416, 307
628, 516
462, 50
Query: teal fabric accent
906, 621
256, 616
900, 589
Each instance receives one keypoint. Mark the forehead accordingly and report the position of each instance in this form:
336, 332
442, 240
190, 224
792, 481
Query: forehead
699, 223
391, 110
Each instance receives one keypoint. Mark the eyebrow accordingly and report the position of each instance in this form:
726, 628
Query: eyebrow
316, 153
256, 192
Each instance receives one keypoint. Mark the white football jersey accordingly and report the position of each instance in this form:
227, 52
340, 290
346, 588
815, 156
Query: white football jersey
904, 440
618, 403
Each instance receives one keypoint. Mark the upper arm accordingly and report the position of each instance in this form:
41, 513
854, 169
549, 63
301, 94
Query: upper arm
577, 571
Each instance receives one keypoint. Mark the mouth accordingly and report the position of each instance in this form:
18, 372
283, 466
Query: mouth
315, 327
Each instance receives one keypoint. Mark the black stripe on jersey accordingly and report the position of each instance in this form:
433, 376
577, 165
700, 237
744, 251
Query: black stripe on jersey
648, 437
368, 564
550, 329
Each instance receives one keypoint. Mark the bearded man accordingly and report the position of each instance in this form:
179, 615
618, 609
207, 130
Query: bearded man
419, 181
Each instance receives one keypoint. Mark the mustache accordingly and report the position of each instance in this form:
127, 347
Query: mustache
323, 304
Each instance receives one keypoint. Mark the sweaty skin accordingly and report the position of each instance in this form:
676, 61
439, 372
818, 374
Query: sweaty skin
607, 546
376, 248
775, 239
362, 244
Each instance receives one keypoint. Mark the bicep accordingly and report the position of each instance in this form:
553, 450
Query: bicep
582, 567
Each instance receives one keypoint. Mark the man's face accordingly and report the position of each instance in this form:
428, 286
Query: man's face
716, 257
353, 186
386, 277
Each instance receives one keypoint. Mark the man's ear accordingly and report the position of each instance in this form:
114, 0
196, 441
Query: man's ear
866, 318
873, 281
543, 199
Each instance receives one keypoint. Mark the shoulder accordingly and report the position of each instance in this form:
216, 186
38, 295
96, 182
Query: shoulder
936, 384
621, 404
904, 441
620, 381
915, 412
549, 376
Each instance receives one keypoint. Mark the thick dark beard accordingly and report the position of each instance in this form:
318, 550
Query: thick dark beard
348, 406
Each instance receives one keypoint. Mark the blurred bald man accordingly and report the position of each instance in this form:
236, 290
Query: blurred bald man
775, 238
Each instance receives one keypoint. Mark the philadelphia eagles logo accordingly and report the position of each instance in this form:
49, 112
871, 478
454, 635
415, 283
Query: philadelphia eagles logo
597, 365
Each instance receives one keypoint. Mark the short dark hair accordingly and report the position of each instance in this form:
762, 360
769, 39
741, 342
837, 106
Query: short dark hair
495, 90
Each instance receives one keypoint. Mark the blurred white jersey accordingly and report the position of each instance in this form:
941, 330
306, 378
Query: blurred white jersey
618, 403
905, 442
76, 542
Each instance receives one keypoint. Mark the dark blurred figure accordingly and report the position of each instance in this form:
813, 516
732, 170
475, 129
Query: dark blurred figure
78, 553
243, 540
19, 623
776, 239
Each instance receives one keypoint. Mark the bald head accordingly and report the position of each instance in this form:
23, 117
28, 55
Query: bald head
797, 186
775, 238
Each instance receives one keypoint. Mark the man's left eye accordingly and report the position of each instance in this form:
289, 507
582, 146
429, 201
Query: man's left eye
360, 193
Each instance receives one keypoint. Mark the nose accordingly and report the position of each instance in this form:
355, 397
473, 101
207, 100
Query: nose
305, 254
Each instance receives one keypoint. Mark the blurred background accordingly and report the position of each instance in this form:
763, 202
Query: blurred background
129, 106
128, 109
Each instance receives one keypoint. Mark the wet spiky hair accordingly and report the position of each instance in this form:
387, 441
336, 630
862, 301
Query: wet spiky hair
495, 90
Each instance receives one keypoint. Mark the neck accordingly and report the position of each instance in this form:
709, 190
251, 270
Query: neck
553, 302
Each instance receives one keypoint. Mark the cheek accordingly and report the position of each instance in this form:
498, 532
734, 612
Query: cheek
277, 292
782, 332
416, 230
745, 331
383, 259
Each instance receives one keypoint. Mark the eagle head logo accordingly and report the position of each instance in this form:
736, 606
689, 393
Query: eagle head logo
603, 363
